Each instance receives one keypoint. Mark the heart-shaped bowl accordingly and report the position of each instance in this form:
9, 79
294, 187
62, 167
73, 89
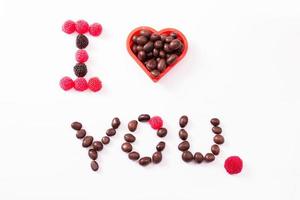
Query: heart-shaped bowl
167, 31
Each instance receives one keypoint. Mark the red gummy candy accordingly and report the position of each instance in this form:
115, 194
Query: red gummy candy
95, 84
81, 56
80, 84
82, 27
156, 122
233, 164
95, 29
66, 83
68, 27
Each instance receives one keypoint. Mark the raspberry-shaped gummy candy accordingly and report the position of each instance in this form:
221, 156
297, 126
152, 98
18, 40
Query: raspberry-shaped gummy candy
80, 84
66, 83
82, 41
95, 29
156, 122
68, 27
80, 69
82, 26
95, 84
81, 56
233, 164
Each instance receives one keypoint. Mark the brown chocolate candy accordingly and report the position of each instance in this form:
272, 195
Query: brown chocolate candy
132, 125
198, 157
145, 33
105, 140
129, 137
209, 157
134, 49
187, 156
80, 134
93, 154
139, 48
163, 37
160, 146
162, 132
158, 44
162, 54
155, 53
115, 123
215, 149
142, 55
144, 118
144, 161
175, 44
169, 39
111, 132
133, 155
183, 121
174, 35
155, 73
151, 64
184, 146
141, 40
76, 126
217, 130
97, 145
148, 47
219, 139
94, 166
215, 121
167, 48
162, 65
149, 55
134, 38
183, 134
171, 59
154, 37
126, 147
157, 157
87, 141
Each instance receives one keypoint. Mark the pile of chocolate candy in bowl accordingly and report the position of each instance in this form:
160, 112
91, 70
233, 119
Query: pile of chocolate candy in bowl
157, 52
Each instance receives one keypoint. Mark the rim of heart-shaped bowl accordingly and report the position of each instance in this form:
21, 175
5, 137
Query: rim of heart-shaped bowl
129, 44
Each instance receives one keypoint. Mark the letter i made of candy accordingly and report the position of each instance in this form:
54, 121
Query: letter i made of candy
80, 84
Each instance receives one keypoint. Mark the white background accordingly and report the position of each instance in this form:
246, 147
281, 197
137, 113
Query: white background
242, 66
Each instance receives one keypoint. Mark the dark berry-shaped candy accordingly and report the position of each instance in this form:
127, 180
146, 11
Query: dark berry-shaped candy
80, 69
82, 41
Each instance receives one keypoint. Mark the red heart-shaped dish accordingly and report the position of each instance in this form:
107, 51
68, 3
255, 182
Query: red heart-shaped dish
178, 55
